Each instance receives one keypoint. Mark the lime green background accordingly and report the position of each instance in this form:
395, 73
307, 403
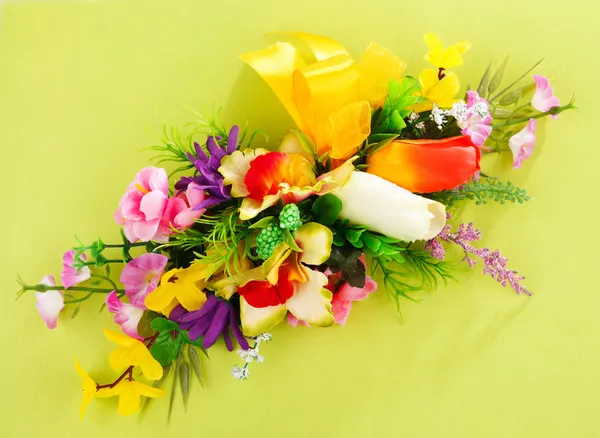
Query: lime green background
80, 82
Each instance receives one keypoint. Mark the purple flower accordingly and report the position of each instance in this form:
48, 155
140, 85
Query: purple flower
207, 164
212, 320
494, 264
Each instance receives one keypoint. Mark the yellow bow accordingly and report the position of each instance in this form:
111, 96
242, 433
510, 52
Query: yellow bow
330, 98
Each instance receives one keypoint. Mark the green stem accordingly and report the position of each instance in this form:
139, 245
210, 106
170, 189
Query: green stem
121, 245
552, 112
93, 263
79, 300
94, 290
107, 279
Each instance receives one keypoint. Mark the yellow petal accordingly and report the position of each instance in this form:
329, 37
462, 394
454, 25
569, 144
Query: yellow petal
320, 46
290, 144
119, 338
149, 391
335, 178
129, 398
322, 88
377, 66
434, 56
250, 207
259, 320
88, 388
151, 369
163, 295
315, 240
190, 297
271, 266
311, 302
234, 168
350, 126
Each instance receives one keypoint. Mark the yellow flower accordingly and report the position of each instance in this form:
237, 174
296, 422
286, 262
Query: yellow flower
129, 392
88, 387
132, 352
436, 90
180, 286
448, 58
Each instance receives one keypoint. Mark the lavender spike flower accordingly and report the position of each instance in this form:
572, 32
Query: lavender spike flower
494, 264
207, 164
212, 320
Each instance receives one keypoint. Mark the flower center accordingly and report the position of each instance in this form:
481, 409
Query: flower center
141, 188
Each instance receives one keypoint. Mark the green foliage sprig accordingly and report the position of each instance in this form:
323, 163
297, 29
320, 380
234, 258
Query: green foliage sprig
482, 191
389, 119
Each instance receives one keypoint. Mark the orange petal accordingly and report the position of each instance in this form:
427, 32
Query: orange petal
426, 166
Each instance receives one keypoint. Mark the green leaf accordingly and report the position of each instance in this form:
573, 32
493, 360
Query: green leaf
485, 80
76, 310
371, 242
516, 95
262, 223
195, 363
397, 122
174, 388
326, 209
166, 347
144, 328
353, 236
163, 324
289, 240
184, 381
516, 81
357, 276
497, 78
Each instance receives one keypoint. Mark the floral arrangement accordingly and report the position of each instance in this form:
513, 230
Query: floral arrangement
359, 191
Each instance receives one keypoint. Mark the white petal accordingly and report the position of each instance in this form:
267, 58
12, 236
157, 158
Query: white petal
389, 209
311, 302
49, 304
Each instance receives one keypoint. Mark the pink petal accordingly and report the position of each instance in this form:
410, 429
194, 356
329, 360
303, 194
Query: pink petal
544, 99
150, 179
153, 205
195, 194
187, 218
70, 276
50, 303
130, 205
349, 293
141, 275
522, 143
145, 230
126, 315
340, 309
159, 181
293, 321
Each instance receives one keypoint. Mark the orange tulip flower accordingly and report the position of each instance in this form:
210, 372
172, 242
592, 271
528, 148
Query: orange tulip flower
425, 166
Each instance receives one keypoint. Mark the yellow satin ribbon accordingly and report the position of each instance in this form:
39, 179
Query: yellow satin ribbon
329, 97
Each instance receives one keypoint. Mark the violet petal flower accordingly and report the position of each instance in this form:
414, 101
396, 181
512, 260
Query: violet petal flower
207, 165
215, 318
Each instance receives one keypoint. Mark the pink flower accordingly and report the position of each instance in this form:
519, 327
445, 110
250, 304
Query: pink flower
126, 315
141, 275
142, 206
180, 213
544, 99
342, 301
70, 275
522, 143
479, 119
49, 303
293, 321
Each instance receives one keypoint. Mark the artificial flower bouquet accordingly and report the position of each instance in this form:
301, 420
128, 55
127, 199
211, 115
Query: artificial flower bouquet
359, 191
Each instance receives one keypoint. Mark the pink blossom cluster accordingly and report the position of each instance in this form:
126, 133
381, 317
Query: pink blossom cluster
494, 264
